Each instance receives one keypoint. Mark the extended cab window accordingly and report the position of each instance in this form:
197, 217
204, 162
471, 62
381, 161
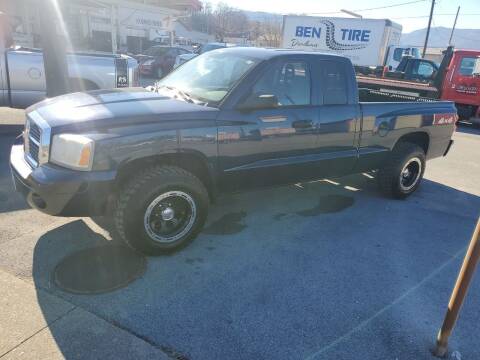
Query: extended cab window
289, 81
467, 65
334, 83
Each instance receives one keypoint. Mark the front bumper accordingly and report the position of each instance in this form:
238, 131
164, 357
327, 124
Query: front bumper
59, 191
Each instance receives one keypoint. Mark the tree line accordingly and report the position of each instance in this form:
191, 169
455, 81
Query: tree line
226, 22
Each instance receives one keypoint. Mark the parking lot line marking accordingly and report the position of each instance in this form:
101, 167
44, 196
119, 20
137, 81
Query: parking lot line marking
366, 322
351, 188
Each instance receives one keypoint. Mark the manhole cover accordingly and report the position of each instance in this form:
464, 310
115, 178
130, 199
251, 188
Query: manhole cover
98, 270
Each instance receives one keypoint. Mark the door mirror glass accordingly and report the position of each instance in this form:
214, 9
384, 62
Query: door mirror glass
259, 101
476, 68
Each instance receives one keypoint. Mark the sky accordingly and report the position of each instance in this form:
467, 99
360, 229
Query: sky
412, 16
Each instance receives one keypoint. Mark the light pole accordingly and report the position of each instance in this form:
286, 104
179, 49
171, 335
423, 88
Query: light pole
354, 14
453, 28
428, 29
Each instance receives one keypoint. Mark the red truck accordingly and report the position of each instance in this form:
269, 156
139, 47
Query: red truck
456, 79
461, 83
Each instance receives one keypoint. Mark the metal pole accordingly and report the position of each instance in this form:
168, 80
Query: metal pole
459, 292
113, 20
453, 29
428, 29
54, 48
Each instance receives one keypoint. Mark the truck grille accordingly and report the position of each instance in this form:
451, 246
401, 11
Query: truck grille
36, 140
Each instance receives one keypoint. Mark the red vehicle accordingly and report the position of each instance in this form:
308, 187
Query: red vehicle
158, 60
457, 79
461, 82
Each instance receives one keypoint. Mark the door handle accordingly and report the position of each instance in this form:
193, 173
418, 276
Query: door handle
302, 124
274, 118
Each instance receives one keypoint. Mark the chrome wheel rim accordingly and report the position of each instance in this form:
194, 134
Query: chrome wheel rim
170, 216
410, 174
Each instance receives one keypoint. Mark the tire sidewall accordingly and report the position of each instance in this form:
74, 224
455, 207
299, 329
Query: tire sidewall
139, 202
414, 153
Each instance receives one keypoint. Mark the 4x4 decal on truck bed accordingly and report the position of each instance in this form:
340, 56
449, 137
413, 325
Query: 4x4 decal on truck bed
444, 119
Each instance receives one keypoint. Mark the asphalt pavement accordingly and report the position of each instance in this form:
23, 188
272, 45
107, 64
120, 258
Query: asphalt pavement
328, 269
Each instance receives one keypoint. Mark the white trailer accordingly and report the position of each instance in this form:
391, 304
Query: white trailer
366, 42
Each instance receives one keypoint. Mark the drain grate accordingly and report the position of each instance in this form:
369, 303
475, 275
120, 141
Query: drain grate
98, 270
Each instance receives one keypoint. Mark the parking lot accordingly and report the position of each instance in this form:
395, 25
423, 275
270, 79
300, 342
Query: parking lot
322, 270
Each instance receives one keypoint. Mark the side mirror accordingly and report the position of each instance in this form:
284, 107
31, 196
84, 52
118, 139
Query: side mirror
257, 102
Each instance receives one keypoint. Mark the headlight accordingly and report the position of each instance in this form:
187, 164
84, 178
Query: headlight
148, 62
72, 151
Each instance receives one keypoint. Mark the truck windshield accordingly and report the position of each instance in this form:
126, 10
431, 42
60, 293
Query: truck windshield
208, 77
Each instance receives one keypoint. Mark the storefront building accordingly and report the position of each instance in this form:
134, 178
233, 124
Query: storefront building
102, 25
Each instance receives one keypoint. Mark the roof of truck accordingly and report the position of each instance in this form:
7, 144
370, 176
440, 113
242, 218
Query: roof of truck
268, 53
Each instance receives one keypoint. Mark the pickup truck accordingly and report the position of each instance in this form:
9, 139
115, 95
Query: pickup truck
227, 120
22, 75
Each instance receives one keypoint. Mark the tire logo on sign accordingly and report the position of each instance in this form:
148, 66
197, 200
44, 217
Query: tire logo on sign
444, 119
333, 44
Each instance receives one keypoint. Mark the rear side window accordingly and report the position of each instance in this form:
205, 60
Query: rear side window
467, 65
398, 54
289, 81
334, 83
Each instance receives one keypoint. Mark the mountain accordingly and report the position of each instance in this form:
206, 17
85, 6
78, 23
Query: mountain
263, 16
462, 38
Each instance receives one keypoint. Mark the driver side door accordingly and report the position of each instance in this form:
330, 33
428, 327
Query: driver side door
272, 145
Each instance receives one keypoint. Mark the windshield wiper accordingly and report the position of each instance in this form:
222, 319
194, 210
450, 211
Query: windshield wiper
182, 94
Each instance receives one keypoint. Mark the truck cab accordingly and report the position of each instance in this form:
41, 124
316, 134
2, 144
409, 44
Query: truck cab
462, 82
395, 54
422, 70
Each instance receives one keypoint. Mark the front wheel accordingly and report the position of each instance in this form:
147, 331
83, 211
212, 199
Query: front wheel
161, 210
404, 171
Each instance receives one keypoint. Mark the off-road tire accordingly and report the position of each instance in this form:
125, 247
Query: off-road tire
137, 194
389, 175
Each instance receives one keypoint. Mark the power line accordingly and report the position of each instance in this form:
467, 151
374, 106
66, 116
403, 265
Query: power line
426, 16
375, 8
393, 5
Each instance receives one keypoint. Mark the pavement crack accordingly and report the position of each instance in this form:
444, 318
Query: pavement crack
167, 350
407, 293
38, 331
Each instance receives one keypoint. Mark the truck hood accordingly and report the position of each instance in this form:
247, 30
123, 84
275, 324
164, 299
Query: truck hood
100, 109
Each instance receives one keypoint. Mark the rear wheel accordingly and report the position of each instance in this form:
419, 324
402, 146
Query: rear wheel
404, 171
161, 210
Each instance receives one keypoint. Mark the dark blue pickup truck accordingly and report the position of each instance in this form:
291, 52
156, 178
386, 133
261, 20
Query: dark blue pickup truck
227, 120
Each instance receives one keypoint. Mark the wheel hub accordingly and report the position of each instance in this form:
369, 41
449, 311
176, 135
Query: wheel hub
168, 214
410, 174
